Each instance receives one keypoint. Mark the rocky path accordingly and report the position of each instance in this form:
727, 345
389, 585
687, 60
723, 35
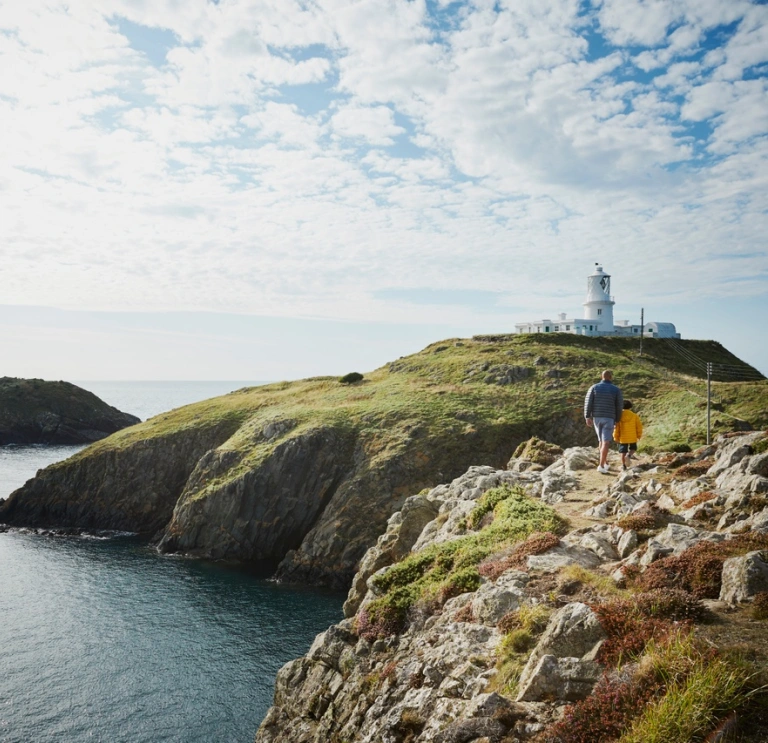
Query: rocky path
500, 662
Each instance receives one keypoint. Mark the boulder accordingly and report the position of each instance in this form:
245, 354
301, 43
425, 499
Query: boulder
562, 555
573, 632
743, 577
733, 451
627, 543
561, 679
493, 600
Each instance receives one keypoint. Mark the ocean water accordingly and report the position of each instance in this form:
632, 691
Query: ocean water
105, 640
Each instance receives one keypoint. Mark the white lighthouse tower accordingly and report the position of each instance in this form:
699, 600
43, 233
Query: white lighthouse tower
598, 307
598, 316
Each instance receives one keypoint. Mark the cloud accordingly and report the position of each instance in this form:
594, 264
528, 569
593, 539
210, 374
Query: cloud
329, 159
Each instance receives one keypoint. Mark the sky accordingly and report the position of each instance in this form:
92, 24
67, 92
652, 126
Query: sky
273, 189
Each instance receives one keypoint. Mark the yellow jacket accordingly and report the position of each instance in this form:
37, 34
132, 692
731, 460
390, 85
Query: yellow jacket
629, 429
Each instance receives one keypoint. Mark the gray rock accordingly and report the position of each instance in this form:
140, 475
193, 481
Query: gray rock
732, 452
601, 510
563, 679
743, 577
664, 501
493, 600
627, 543
560, 556
572, 632
580, 458
601, 546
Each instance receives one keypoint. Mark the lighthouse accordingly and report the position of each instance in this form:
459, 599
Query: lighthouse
598, 306
598, 316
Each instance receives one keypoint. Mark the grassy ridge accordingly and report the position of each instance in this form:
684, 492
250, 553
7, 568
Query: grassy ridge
449, 391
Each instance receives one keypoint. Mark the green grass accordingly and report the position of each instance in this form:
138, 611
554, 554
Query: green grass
430, 403
436, 573
702, 688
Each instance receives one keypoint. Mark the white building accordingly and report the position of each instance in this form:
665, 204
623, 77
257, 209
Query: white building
598, 316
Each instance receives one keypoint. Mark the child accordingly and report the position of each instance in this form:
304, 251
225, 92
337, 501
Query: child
627, 431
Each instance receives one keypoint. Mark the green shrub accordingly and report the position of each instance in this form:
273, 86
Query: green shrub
680, 448
430, 577
351, 378
760, 446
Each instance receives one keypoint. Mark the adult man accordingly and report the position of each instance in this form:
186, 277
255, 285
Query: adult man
603, 406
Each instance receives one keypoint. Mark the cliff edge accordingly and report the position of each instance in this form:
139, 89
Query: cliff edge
301, 477
548, 603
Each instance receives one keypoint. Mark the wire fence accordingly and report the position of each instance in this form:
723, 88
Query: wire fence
726, 372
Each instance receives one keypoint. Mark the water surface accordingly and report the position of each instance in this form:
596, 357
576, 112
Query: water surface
104, 640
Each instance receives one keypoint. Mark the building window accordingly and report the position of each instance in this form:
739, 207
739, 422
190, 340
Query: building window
546, 328
599, 312
567, 327
590, 327
557, 327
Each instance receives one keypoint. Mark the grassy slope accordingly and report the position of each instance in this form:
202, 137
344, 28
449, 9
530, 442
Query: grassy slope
432, 391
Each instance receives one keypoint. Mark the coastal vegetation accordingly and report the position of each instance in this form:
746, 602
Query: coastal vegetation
315, 453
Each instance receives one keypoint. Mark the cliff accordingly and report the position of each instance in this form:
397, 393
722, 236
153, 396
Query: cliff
302, 477
553, 604
36, 412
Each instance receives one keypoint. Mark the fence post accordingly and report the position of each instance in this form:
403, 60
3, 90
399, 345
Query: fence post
709, 401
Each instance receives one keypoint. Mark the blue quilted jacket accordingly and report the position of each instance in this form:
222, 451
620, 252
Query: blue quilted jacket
604, 400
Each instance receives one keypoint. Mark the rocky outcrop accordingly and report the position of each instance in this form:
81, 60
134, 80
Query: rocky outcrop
304, 500
133, 490
36, 412
439, 679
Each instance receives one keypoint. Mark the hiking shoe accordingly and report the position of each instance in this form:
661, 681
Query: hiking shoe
603, 470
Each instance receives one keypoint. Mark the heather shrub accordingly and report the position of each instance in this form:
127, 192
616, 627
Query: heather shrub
536, 544
644, 519
699, 569
607, 712
670, 603
703, 497
760, 606
694, 469
629, 631
464, 614
632, 623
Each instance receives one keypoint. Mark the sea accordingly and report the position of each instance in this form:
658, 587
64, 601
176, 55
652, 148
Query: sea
102, 639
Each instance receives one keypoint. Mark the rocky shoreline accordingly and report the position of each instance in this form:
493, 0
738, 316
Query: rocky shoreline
534, 643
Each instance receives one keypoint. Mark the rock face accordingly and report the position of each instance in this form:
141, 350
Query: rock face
36, 412
442, 678
304, 500
109, 490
